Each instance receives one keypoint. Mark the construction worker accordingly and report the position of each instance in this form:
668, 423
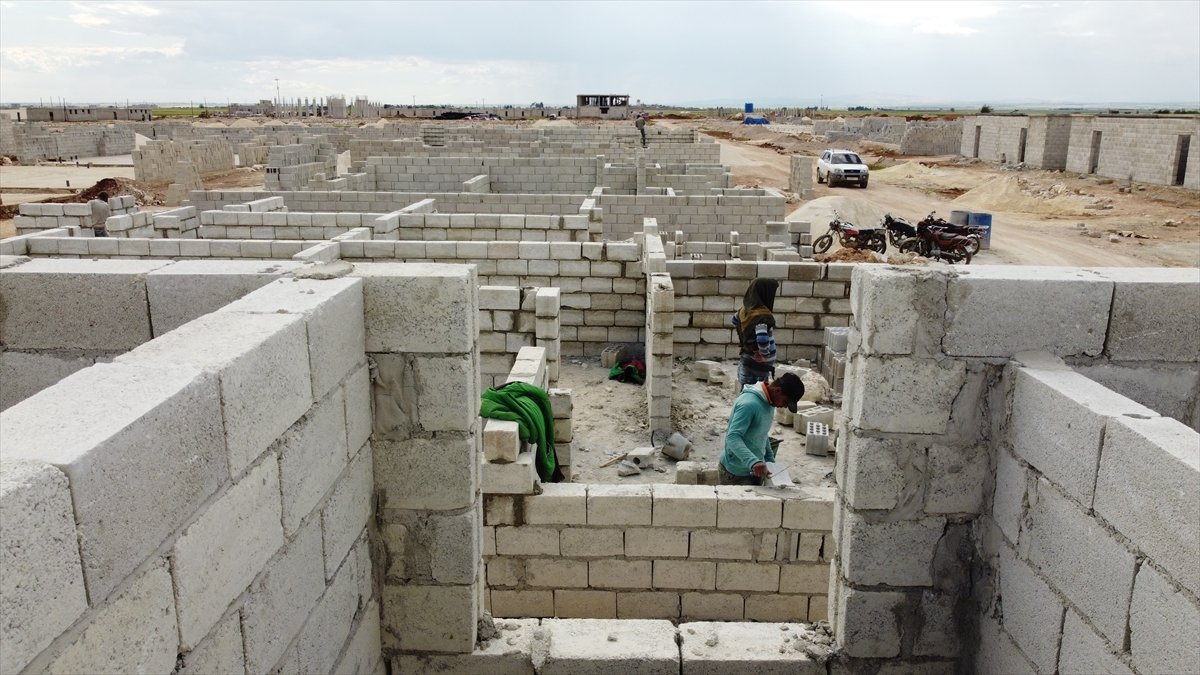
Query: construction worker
747, 446
640, 123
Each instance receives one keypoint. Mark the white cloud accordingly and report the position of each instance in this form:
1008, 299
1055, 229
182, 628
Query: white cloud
943, 28
88, 20
55, 59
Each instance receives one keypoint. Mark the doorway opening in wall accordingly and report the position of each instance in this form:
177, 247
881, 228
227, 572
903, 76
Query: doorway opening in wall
978, 133
1021, 146
1094, 160
1181, 158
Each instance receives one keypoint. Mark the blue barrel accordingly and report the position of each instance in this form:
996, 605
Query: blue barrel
749, 107
983, 220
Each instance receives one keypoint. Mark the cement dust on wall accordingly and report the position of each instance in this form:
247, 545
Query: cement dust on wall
609, 418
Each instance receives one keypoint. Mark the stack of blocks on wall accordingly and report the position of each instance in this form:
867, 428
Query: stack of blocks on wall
230, 527
982, 484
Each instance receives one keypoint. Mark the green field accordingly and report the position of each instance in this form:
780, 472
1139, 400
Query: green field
184, 112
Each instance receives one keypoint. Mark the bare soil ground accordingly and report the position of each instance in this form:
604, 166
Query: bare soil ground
610, 418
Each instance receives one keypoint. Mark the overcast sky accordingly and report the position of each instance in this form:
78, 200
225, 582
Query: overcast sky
793, 53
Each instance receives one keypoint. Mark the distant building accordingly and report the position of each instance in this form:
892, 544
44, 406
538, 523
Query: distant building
613, 106
71, 113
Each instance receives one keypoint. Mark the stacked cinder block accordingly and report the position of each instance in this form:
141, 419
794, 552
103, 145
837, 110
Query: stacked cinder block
421, 332
547, 327
800, 178
660, 326
134, 225
157, 160
705, 217
294, 166
504, 329
279, 224
658, 551
37, 217
180, 223
930, 401
833, 357
223, 422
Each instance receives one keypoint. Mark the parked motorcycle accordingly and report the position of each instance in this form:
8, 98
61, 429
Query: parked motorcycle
973, 231
898, 229
851, 236
941, 244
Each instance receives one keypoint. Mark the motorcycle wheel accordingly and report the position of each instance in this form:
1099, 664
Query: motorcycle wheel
822, 243
911, 246
972, 245
966, 256
878, 244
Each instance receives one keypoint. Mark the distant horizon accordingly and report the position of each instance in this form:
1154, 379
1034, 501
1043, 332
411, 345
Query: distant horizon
903, 54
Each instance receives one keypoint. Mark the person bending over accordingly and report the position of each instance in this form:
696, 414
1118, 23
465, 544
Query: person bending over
747, 446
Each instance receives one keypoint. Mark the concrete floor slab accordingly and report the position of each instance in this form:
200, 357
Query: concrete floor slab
602, 646
719, 648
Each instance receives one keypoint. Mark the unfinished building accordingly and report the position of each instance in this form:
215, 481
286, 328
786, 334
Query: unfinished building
1146, 149
247, 439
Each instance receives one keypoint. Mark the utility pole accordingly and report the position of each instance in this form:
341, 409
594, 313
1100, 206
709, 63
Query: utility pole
278, 101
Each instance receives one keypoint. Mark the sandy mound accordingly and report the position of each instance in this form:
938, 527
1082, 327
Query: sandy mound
244, 123
853, 209
917, 175
850, 255
554, 123
1008, 193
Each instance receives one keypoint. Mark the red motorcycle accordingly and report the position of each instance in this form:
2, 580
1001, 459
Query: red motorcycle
973, 231
941, 244
851, 236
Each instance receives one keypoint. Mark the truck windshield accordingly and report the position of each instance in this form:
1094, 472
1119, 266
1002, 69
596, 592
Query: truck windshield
846, 158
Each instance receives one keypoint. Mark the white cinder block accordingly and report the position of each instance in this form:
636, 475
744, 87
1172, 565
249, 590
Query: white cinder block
41, 589
813, 510
312, 455
420, 308
262, 360
281, 599
1151, 297
431, 618
501, 440
364, 650
1058, 420
685, 506
889, 303
26, 373
1083, 652
902, 395
712, 648
644, 542
140, 464
136, 632
333, 313
984, 309
221, 552
358, 408
722, 545
434, 474
189, 289
1164, 626
448, 392
1032, 613
896, 553
1154, 461
619, 505
220, 652
320, 643
514, 478
738, 507
559, 504
598, 646
349, 508
1087, 564
60, 303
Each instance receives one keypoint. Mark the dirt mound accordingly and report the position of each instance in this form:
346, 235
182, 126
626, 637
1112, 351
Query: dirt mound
244, 123
1010, 193
554, 123
854, 255
118, 187
854, 209
917, 175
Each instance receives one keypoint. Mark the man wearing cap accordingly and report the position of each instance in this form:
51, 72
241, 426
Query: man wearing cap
747, 446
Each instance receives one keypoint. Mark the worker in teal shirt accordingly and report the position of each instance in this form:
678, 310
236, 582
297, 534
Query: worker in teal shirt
747, 446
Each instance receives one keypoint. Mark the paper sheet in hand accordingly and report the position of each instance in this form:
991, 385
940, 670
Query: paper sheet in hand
777, 475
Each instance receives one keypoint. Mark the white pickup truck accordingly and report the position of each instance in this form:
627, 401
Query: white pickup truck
842, 166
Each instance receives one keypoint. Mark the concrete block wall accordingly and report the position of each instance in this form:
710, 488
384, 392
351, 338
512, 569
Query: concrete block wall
1092, 546
999, 137
1048, 141
157, 161
386, 202
660, 347
710, 217
34, 142
509, 175
40, 217
211, 513
926, 472
281, 225
812, 297
422, 327
931, 138
61, 245
1145, 149
511, 318
659, 551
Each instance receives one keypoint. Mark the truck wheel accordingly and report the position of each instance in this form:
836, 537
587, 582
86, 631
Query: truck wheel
820, 178
863, 183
